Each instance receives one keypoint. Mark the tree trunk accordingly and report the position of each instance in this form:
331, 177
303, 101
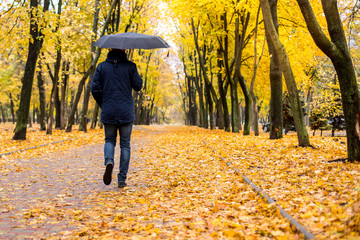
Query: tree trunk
54, 99
87, 91
184, 94
42, 98
222, 93
208, 85
276, 117
83, 123
235, 121
238, 78
2, 113
88, 72
235, 115
198, 85
255, 114
54, 91
95, 116
34, 113
192, 101
191, 95
235, 124
210, 105
35, 44
65, 80
248, 104
188, 120
57, 108
254, 106
12, 110
307, 108
30, 122
337, 50
303, 137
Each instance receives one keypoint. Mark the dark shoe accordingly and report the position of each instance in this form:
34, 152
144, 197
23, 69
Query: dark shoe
108, 173
122, 184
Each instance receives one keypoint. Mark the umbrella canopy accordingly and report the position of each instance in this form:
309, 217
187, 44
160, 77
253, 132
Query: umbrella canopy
131, 40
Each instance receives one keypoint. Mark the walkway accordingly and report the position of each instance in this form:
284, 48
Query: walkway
176, 190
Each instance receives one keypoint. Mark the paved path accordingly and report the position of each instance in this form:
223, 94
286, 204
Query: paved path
53, 182
177, 190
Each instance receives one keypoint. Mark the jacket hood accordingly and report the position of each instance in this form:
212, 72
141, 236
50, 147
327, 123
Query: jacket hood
116, 55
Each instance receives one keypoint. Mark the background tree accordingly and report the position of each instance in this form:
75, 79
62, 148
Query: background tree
89, 70
336, 49
35, 44
55, 77
303, 137
276, 118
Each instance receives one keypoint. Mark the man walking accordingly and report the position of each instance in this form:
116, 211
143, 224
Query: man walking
111, 88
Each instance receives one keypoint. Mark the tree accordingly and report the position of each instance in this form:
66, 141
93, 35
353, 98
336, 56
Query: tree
336, 49
255, 114
303, 137
55, 78
83, 120
89, 71
208, 85
244, 16
42, 98
276, 118
35, 44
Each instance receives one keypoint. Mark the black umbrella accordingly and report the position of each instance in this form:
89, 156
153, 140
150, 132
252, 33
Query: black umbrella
131, 40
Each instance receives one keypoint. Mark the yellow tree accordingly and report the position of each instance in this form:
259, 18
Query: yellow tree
336, 49
35, 44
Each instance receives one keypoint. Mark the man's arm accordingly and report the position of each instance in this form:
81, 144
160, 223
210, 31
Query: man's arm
96, 88
136, 81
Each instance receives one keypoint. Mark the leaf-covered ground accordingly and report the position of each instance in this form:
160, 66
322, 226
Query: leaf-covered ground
178, 188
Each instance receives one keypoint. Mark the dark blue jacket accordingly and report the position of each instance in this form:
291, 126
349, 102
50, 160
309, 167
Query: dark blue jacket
112, 87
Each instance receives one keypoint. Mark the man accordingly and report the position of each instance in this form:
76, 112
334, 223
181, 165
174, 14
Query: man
111, 88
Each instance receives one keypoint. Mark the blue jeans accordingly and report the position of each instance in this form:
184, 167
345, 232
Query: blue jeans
110, 143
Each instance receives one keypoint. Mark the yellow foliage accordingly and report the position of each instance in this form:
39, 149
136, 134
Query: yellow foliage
181, 188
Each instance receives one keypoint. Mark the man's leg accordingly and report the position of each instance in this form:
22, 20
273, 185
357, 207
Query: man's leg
125, 135
109, 150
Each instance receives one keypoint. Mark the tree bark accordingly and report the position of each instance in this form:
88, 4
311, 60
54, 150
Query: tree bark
302, 133
54, 93
276, 116
35, 44
42, 98
65, 80
141, 110
198, 85
235, 121
30, 122
83, 119
238, 78
83, 123
2, 113
12, 110
208, 85
192, 100
54, 99
307, 108
88, 72
191, 91
337, 50
34, 113
95, 116
222, 92
254, 106
57, 108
